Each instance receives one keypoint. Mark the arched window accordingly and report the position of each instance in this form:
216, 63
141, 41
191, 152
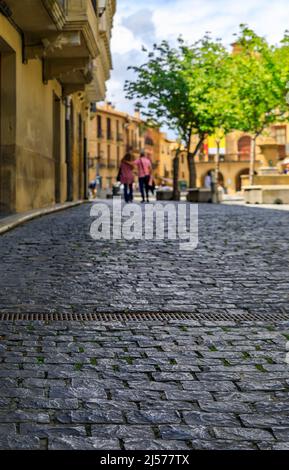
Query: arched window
244, 147
149, 141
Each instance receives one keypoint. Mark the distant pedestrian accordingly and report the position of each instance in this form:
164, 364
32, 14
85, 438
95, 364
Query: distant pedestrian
92, 188
208, 181
126, 177
144, 167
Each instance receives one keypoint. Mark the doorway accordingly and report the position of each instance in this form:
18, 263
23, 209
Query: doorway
57, 146
80, 158
244, 172
7, 129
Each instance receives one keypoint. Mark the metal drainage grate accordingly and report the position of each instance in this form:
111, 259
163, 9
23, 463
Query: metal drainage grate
145, 316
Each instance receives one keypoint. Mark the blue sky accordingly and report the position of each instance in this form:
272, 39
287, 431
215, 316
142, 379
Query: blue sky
143, 22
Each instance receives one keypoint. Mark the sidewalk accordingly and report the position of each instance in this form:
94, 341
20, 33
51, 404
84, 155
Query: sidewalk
239, 202
12, 221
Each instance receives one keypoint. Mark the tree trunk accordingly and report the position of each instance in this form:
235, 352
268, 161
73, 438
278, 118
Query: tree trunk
192, 169
176, 165
252, 159
191, 161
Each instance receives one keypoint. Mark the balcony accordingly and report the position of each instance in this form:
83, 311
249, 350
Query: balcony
120, 137
72, 37
48, 16
64, 33
110, 136
80, 15
96, 90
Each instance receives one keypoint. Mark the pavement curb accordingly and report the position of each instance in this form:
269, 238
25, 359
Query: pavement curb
13, 221
277, 207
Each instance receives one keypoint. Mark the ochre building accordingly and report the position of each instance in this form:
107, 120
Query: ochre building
54, 62
235, 157
112, 133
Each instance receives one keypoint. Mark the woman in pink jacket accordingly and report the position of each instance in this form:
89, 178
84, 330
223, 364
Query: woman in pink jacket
144, 167
127, 177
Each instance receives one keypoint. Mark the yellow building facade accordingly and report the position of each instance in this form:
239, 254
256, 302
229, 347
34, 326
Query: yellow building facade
54, 61
112, 133
167, 154
235, 157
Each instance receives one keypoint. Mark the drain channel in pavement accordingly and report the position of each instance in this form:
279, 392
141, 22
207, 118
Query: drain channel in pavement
146, 316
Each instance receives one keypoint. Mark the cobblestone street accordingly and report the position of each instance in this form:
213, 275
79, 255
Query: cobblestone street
146, 385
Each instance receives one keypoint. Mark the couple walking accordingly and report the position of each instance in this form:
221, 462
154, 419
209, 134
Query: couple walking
126, 176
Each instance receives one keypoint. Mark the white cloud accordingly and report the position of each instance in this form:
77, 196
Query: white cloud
123, 40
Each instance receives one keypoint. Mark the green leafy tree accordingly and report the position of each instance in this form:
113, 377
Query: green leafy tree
186, 88
260, 74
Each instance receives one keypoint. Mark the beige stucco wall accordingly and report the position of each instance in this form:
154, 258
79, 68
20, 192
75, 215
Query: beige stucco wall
34, 137
30, 164
34, 163
229, 170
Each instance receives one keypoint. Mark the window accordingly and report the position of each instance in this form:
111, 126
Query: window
108, 129
149, 141
118, 155
98, 150
99, 127
280, 135
244, 148
108, 154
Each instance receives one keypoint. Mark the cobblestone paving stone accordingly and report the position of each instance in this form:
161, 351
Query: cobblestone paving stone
104, 389
241, 265
173, 385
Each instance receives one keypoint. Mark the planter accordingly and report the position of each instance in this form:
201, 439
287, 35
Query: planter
199, 195
274, 194
193, 195
164, 195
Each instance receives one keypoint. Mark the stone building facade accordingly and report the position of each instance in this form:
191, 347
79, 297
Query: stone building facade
54, 62
112, 133
235, 157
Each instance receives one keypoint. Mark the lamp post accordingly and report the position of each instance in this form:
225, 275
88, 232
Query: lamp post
216, 175
176, 166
